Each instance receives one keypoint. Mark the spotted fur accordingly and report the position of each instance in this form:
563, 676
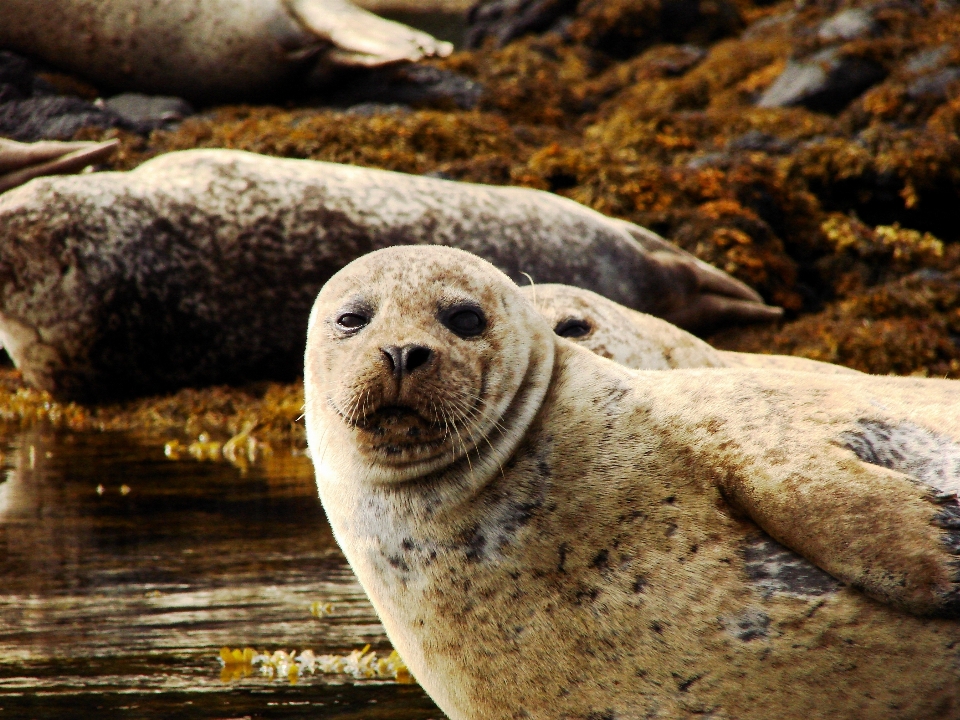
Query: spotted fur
601, 554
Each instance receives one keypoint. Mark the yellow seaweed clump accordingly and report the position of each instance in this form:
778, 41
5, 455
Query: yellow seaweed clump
290, 666
906, 326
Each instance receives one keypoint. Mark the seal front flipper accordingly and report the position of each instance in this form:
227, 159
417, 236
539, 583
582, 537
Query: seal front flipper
888, 533
362, 38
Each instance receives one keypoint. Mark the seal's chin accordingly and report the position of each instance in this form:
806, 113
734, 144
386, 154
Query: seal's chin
396, 434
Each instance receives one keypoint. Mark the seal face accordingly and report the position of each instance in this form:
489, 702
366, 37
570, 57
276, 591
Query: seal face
610, 330
580, 540
446, 367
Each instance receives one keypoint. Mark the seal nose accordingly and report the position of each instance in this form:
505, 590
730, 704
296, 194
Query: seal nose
404, 360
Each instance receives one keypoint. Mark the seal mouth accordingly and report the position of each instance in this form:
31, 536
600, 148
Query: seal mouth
397, 431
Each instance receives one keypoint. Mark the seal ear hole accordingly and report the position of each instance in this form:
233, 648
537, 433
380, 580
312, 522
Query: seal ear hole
573, 328
464, 319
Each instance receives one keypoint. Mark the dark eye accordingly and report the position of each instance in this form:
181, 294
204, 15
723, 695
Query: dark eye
466, 321
572, 328
352, 321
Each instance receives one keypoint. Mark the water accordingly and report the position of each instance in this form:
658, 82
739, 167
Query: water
122, 573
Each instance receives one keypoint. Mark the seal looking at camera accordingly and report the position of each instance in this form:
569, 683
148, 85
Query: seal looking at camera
547, 534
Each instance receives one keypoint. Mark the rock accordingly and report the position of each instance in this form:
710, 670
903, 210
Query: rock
826, 82
850, 24
54, 118
506, 20
149, 111
927, 59
757, 141
617, 28
201, 266
372, 109
934, 86
31, 108
16, 77
410, 85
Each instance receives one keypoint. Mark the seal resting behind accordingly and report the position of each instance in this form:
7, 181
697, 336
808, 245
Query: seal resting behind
201, 266
547, 534
641, 341
208, 50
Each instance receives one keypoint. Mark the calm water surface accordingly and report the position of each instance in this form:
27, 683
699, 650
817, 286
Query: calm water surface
122, 573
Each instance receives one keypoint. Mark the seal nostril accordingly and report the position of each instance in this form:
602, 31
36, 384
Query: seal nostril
414, 356
394, 357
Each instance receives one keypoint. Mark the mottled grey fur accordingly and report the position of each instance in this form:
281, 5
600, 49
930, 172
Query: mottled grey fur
908, 448
201, 266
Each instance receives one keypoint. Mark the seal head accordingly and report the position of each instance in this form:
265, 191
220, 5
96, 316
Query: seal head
610, 330
420, 365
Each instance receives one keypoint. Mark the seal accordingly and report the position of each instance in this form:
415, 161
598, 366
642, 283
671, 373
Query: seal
641, 341
208, 50
545, 533
201, 266
20, 162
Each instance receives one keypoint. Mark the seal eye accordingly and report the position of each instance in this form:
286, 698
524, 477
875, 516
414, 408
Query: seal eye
465, 320
572, 328
352, 321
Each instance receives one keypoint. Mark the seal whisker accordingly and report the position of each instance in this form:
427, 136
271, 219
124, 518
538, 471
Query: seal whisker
479, 405
463, 445
485, 437
533, 288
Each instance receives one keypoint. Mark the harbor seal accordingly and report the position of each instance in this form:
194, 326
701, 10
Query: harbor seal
200, 266
547, 534
208, 50
20, 162
641, 341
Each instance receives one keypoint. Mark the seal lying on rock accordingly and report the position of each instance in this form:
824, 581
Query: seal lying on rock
547, 534
20, 162
641, 341
208, 50
201, 266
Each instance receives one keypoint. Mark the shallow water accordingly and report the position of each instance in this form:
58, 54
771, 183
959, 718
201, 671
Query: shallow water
122, 574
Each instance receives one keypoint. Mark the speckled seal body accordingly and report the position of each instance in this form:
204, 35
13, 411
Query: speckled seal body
201, 266
546, 534
641, 341
207, 50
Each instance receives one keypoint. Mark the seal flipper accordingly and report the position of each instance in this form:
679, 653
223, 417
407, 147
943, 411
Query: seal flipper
20, 162
880, 530
362, 38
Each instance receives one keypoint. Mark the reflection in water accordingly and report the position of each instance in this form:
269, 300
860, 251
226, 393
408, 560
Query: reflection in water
122, 574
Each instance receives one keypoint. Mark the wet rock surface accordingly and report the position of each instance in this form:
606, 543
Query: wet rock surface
825, 81
152, 111
842, 217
